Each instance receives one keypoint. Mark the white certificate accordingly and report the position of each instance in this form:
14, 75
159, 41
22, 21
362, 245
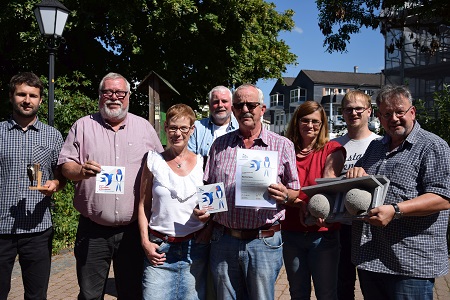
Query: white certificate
110, 180
212, 197
255, 171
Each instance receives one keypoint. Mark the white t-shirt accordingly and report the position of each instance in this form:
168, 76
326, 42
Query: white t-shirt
219, 130
355, 149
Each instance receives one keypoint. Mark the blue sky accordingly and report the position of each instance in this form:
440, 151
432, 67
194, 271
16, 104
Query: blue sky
366, 49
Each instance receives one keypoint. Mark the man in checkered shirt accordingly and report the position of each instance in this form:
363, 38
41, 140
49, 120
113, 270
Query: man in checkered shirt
25, 220
401, 247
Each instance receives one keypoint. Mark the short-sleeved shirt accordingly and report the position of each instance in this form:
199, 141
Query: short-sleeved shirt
309, 168
221, 167
409, 246
23, 210
91, 138
174, 197
355, 149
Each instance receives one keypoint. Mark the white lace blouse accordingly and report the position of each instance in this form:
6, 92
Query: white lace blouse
174, 197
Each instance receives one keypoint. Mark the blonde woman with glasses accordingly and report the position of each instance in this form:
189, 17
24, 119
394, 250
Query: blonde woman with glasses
311, 250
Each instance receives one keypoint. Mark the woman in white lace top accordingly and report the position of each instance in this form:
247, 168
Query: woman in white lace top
175, 264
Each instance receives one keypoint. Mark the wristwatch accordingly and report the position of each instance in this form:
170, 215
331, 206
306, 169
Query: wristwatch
398, 214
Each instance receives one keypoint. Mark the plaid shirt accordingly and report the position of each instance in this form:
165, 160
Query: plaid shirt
221, 167
410, 246
21, 209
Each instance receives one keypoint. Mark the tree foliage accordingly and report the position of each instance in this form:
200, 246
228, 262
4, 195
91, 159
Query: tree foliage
339, 19
437, 118
194, 44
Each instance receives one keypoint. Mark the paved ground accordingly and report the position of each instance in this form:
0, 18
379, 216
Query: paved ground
63, 282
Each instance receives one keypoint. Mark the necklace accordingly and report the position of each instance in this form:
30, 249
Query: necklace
179, 164
304, 153
181, 200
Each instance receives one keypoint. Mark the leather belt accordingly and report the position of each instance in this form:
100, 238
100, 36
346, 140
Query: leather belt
174, 239
251, 234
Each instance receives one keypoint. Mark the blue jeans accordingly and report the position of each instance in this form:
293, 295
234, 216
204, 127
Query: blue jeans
183, 274
245, 269
394, 287
313, 254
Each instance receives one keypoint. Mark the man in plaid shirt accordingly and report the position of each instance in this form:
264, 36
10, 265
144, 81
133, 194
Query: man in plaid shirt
401, 247
246, 246
25, 220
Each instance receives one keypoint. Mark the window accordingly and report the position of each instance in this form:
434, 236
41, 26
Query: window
334, 91
298, 95
277, 100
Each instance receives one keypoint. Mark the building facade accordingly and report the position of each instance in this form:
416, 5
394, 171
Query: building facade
325, 87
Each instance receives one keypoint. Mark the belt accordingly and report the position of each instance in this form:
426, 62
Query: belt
251, 234
174, 239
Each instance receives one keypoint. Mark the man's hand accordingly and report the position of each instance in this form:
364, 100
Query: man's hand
51, 186
278, 192
90, 169
356, 172
380, 216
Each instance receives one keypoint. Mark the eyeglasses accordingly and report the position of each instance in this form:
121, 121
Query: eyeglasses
250, 105
119, 94
358, 110
398, 114
315, 123
183, 129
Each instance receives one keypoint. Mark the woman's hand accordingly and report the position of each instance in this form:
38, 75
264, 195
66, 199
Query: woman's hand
155, 258
202, 215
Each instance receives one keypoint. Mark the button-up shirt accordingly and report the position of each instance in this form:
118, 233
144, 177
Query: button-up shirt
23, 210
91, 138
203, 136
221, 167
410, 246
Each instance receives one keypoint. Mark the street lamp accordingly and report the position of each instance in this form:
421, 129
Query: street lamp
51, 17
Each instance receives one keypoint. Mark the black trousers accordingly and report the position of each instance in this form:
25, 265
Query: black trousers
96, 246
347, 270
35, 251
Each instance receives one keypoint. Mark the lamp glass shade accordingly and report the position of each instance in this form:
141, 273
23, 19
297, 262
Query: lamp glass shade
51, 20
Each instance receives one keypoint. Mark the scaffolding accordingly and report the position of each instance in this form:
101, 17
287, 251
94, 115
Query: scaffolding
419, 59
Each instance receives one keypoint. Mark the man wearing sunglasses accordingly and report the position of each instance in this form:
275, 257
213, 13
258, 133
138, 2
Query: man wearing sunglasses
401, 246
108, 228
219, 122
356, 108
246, 248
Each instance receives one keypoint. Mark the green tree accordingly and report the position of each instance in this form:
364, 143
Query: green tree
437, 118
339, 19
193, 44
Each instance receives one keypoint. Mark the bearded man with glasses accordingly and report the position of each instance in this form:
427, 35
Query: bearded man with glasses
401, 246
108, 228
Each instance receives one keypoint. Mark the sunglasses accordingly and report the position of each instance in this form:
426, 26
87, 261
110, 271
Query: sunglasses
250, 105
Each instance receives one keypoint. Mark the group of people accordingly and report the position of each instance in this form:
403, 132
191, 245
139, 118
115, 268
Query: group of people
164, 246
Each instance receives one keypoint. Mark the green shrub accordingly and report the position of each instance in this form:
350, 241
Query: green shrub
65, 219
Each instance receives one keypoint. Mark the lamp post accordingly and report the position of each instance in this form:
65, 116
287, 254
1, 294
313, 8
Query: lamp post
51, 16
